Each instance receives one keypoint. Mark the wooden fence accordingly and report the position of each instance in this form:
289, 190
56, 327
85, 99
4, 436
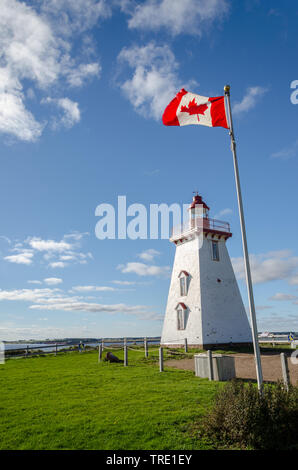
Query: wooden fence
56, 348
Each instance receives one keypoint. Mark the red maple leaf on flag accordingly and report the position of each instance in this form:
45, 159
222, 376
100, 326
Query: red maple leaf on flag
194, 108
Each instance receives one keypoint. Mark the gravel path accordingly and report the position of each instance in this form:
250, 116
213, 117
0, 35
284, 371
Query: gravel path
245, 367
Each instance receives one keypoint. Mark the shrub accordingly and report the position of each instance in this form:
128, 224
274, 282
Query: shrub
242, 418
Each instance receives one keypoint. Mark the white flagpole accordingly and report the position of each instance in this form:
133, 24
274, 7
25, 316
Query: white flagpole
245, 250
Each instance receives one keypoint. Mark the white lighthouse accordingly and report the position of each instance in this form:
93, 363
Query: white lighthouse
204, 303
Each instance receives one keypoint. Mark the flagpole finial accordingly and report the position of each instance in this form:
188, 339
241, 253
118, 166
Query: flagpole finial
227, 89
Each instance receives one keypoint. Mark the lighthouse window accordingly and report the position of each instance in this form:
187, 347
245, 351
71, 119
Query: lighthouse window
180, 319
183, 289
183, 282
215, 252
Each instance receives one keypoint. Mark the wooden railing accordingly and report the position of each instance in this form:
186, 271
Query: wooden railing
55, 348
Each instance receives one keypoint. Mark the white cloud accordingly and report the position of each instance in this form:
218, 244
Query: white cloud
34, 282
28, 295
20, 258
124, 283
76, 257
271, 266
35, 50
148, 255
250, 99
283, 297
93, 289
54, 299
276, 322
71, 16
57, 264
131, 283
40, 332
82, 73
28, 51
76, 236
154, 82
53, 281
48, 245
177, 16
3, 237
294, 279
15, 119
28, 45
142, 269
287, 152
76, 306
70, 112
11, 333
58, 253
223, 213
70, 257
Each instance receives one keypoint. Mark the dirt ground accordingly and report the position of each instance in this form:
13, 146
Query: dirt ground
245, 367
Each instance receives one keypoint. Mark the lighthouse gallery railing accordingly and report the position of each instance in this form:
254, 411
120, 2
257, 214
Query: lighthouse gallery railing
200, 223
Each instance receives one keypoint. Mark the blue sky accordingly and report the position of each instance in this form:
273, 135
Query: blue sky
82, 89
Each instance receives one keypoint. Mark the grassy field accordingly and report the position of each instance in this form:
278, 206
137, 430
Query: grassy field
72, 402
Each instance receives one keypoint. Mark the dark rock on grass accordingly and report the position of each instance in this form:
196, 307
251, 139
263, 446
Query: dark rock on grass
112, 358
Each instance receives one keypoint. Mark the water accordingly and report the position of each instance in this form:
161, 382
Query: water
11, 346
34, 347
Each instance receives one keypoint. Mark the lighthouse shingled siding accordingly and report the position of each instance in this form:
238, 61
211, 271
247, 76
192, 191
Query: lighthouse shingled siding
215, 314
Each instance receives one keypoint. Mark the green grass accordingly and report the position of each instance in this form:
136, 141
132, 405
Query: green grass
72, 402
265, 347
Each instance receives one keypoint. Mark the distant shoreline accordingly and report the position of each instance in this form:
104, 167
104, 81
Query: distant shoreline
75, 340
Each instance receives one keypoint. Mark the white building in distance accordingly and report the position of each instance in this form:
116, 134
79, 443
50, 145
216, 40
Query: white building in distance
204, 303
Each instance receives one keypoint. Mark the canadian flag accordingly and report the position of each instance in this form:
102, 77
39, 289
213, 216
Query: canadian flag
188, 108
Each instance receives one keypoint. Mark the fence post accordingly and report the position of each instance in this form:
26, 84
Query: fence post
160, 359
125, 355
285, 370
99, 352
210, 365
27, 351
146, 346
102, 345
56, 349
185, 345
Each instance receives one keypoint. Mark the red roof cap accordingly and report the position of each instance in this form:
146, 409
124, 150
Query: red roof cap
196, 200
183, 272
181, 304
